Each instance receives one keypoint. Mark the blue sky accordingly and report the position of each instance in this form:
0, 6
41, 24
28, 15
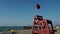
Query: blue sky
21, 12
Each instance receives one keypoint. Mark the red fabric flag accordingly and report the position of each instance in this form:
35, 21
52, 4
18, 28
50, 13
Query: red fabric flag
38, 6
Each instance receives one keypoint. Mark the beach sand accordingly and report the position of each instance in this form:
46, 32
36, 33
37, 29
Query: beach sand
24, 31
28, 31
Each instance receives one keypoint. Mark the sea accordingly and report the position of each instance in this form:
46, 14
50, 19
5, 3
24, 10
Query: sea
7, 28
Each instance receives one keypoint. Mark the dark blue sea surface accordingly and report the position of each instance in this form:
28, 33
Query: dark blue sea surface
4, 28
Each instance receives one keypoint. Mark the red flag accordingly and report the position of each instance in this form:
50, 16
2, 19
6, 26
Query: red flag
38, 6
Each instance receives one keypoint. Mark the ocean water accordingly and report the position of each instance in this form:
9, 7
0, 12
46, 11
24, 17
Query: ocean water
7, 28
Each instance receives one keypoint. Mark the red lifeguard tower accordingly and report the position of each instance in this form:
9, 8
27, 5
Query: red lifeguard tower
42, 26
